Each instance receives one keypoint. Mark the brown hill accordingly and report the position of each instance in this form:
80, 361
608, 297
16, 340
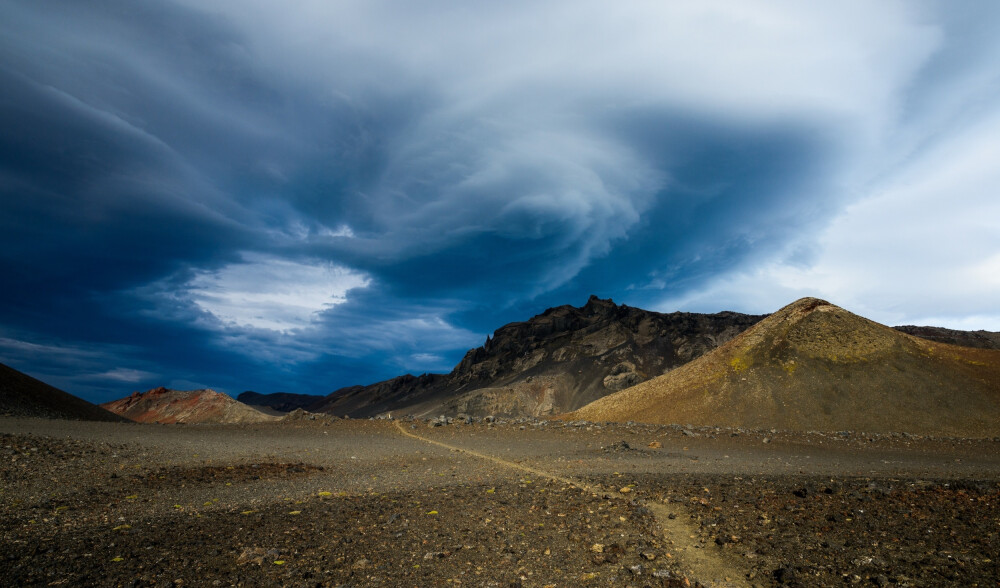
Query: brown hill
554, 362
161, 405
815, 366
24, 396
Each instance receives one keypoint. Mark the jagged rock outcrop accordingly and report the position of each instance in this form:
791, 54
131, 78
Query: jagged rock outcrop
162, 405
556, 361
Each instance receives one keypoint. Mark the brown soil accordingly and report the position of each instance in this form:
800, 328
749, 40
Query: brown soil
524, 503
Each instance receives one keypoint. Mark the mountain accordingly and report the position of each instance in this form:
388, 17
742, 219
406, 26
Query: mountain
554, 362
161, 405
979, 339
280, 401
24, 396
815, 366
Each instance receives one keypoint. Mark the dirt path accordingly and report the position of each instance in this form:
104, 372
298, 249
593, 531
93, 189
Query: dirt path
700, 562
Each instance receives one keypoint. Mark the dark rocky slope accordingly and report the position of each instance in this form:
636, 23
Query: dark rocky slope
977, 339
554, 362
24, 396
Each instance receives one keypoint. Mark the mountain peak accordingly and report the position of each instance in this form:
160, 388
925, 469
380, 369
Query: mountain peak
598, 305
558, 360
808, 304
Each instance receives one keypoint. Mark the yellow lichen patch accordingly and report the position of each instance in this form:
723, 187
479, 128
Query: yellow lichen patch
324, 493
789, 366
122, 527
739, 364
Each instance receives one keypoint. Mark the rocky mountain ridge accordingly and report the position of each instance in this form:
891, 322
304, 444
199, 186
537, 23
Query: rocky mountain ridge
554, 362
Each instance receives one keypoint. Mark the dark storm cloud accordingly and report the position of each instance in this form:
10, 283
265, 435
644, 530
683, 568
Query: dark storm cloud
237, 194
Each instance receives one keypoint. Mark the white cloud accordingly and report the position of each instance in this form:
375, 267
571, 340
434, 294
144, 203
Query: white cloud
123, 375
266, 292
341, 231
424, 362
507, 106
743, 55
923, 247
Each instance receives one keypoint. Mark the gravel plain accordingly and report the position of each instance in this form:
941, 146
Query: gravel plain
380, 503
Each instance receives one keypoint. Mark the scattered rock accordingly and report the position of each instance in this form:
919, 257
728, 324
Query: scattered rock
784, 575
617, 446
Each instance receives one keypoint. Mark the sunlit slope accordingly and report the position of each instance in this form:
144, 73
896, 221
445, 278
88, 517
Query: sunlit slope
161, 405
815, 366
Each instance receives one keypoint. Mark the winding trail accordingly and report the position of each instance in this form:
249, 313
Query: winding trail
703, 564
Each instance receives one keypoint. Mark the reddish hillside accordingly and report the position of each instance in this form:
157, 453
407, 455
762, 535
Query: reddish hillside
161, 405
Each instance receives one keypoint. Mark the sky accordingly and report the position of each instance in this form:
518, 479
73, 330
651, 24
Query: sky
257, 195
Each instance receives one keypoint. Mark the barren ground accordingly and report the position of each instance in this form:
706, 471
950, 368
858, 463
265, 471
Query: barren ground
378, 503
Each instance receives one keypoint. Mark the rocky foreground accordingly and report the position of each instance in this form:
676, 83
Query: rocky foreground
509, 503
